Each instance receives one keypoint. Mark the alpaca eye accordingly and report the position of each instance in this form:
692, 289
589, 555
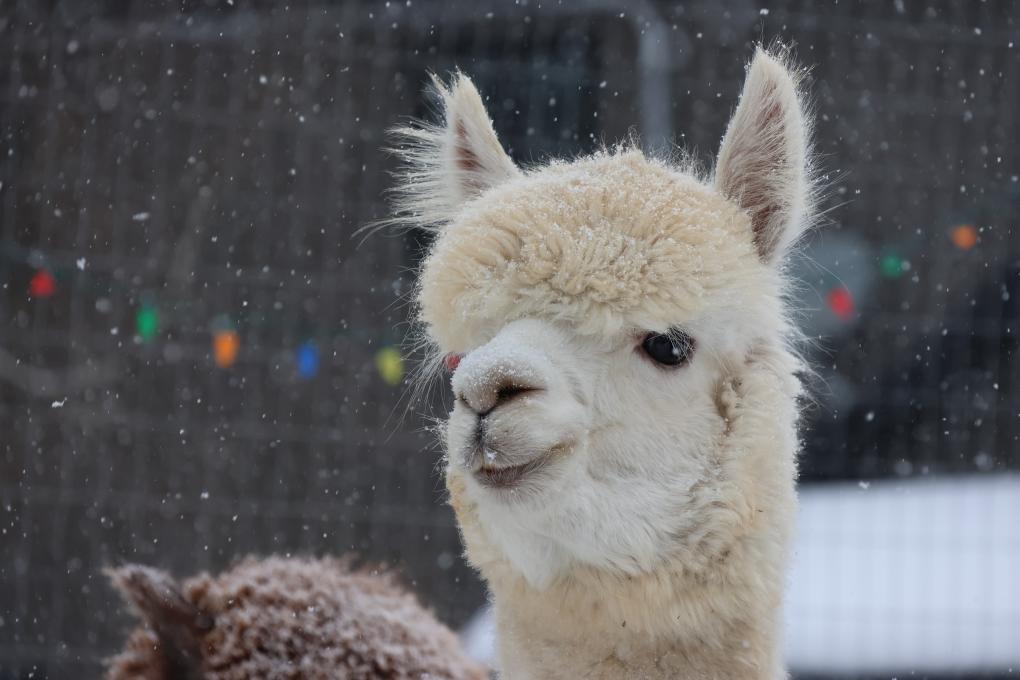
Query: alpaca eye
672, 349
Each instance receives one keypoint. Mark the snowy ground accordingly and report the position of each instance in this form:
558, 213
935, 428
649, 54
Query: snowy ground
896, 576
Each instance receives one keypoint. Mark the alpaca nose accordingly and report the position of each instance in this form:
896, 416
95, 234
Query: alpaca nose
484, 382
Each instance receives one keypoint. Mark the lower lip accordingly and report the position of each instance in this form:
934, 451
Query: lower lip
506, 478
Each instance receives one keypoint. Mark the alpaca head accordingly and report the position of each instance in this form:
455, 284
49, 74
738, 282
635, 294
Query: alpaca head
603, 309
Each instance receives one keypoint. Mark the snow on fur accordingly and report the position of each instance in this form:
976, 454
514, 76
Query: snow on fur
282, 618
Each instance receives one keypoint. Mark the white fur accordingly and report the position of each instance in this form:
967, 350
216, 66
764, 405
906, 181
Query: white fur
652, 541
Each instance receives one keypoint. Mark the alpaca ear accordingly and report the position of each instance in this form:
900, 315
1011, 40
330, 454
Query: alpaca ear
762, 163
449, 164
473, 159
158, 600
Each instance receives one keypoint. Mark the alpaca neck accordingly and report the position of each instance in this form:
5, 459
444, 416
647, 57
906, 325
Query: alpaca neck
668, 624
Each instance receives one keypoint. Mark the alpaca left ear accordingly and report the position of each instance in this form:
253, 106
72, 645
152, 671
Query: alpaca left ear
472, 158
762, 163
160, 602
449, 164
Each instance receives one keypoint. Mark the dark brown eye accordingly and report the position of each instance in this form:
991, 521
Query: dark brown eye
674, 348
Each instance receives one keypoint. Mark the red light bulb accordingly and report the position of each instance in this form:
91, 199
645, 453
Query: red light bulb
841, 303
42, 285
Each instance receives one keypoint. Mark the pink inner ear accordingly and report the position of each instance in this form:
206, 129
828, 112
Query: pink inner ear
763, 221
752, 184
468, 163
466, 158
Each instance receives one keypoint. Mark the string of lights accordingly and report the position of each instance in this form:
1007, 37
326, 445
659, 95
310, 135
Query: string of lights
47, 280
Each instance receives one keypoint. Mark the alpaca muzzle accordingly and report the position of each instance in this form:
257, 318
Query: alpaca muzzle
514, 409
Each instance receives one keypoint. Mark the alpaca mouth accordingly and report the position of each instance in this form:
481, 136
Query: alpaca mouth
507, 477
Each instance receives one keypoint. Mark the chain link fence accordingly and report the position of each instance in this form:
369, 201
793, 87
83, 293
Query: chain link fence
199, 359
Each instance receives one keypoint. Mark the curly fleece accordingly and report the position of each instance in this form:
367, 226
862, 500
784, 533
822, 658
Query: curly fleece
283, 618
605, 243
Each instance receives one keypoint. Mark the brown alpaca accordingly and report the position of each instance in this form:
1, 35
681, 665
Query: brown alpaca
283, 618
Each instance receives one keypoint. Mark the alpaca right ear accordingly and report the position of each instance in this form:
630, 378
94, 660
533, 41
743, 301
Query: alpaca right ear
762, 163
449, 164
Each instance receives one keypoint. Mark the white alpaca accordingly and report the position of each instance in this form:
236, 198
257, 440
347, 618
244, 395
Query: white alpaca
621, 453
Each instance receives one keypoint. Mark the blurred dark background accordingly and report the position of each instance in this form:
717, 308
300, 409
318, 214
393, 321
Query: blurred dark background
199, 359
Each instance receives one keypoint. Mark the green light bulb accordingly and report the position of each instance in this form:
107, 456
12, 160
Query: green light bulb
147, 322
892, 266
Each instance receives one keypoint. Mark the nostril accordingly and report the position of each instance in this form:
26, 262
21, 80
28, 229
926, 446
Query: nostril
510, 391
484, 402
466, 402
507, 392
